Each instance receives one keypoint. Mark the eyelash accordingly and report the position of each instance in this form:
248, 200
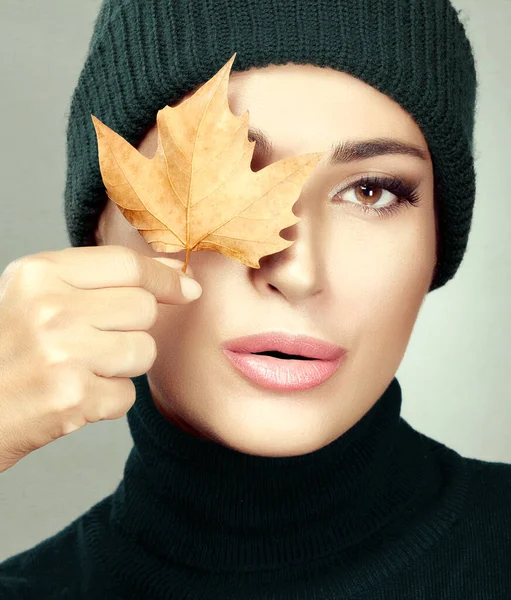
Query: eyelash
406, 194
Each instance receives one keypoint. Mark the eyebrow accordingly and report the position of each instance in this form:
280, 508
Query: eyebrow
347, 151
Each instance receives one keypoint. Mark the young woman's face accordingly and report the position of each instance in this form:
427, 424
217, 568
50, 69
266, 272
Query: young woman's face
351, 277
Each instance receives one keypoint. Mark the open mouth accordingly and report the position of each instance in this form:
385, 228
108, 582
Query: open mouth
282, 355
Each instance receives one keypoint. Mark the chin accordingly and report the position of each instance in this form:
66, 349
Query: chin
262, 442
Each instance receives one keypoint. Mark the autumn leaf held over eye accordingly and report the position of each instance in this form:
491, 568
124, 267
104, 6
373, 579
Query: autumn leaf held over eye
199, 192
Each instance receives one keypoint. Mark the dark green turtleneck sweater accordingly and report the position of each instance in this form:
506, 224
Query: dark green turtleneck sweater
381, 513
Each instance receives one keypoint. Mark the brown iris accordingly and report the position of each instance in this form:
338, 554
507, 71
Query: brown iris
368, 192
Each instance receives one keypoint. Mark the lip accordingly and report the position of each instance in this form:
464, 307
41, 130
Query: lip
284, 374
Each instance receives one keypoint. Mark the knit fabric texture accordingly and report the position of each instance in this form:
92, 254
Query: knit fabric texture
381, 513
146, 54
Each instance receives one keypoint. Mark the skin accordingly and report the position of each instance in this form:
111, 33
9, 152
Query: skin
350, 278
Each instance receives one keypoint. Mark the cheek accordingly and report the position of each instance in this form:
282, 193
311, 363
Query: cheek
384, 286
169, 331
182, 331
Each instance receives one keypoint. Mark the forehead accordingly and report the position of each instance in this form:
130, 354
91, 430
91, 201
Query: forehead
305, 108
304, 102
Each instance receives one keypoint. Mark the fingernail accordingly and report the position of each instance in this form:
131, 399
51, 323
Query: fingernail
191, 288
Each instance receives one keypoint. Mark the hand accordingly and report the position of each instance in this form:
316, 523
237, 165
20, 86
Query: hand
73, 330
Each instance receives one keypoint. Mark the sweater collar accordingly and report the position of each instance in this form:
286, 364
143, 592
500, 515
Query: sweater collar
201, 504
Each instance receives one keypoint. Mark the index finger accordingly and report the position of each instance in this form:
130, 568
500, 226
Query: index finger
92, 267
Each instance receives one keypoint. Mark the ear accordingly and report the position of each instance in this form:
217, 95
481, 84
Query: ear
97, 238
99, 231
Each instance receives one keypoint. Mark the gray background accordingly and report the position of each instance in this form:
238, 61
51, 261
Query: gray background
455, 374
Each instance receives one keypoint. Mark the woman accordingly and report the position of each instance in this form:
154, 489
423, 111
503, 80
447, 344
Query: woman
279, 476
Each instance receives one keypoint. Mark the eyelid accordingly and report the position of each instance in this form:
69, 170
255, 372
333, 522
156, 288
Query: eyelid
367, 175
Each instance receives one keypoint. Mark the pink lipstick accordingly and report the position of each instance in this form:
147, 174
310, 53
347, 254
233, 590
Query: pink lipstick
289, 362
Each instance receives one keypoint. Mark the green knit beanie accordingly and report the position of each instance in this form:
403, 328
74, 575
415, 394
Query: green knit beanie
146, 54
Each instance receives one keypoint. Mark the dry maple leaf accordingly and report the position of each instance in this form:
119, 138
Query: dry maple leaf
199, 192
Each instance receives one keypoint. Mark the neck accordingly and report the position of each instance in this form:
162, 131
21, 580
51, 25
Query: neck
273, 511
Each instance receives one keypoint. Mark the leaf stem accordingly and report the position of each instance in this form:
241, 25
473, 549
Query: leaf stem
188, 250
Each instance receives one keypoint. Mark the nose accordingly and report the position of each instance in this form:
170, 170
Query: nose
296, 271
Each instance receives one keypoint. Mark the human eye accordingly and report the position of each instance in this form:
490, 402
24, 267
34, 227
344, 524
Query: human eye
373, 188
